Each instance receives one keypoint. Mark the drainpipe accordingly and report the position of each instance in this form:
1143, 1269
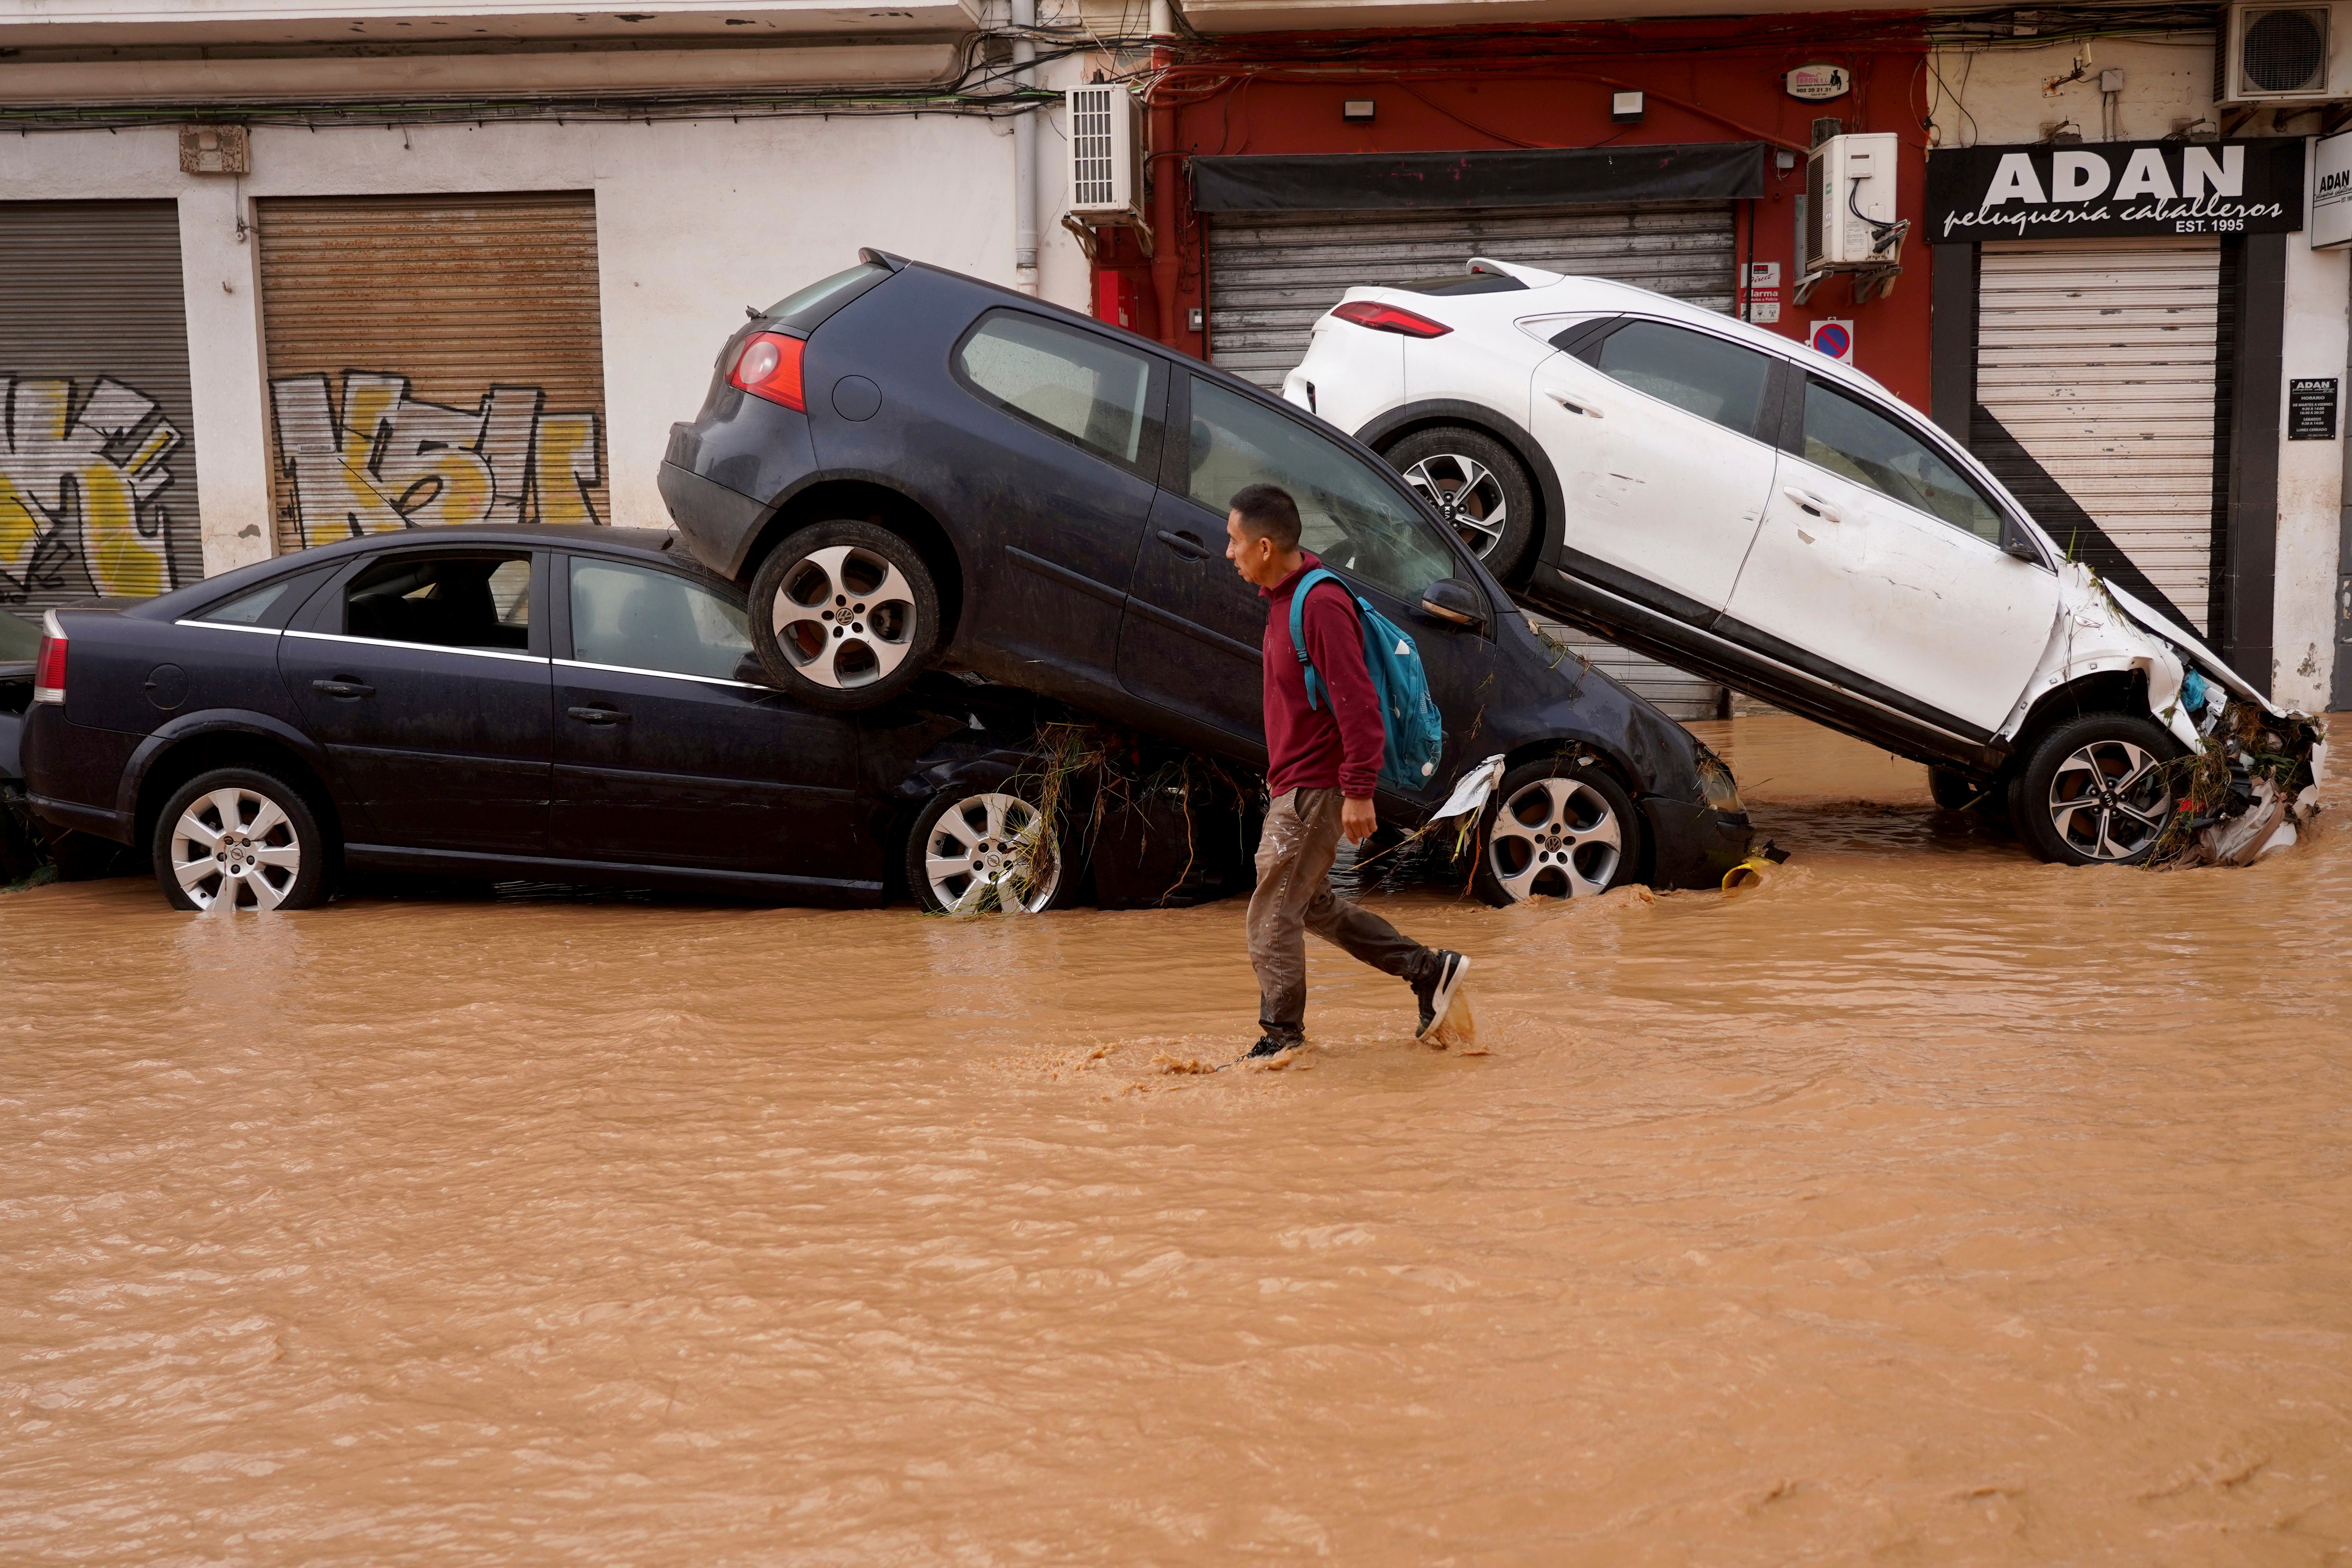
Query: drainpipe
1162, 164
1024, 153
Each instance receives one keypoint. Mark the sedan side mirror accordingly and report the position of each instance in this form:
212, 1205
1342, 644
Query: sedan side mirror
1452, 599
2014, 541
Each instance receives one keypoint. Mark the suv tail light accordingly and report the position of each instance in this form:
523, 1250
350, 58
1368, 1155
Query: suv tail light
1389, 319
769, 366
50, 663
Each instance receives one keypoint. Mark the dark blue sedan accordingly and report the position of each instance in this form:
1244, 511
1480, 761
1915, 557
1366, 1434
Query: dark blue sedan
566, 704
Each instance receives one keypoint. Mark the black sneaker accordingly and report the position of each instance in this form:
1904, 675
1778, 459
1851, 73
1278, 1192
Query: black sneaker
1435, 990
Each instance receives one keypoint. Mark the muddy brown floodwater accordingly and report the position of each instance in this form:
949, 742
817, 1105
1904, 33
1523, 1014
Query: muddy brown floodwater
1925, 1204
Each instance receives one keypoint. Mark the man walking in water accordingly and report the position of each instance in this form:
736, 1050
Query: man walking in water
1320, 765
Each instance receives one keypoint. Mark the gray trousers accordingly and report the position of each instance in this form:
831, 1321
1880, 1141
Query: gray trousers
1294, 896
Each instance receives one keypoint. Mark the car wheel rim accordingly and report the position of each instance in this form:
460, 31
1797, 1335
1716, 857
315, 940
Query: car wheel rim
1467, 495
1555, 836
991, 852
2109, 801
236, 849
844, 616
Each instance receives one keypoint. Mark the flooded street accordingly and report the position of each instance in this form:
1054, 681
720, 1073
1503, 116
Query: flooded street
1927, 1204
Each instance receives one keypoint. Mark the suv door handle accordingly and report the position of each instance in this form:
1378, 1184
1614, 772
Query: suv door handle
342, 689
1812, 504
1573, 403
598, 715
1192, 546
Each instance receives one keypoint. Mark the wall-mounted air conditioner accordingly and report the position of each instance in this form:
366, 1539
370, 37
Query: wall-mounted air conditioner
2284, 54
1850, 203
1105, 155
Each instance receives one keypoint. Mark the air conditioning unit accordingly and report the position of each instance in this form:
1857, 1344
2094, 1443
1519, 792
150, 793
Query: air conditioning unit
1850, 221
2284, 54
1105, 155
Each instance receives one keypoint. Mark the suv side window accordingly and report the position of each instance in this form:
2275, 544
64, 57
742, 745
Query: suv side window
480, 599
1854, 441
1073, 384
1695, 373
1350, 517
638, 618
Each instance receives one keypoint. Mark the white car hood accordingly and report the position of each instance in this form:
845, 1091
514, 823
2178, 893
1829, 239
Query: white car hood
2209, 663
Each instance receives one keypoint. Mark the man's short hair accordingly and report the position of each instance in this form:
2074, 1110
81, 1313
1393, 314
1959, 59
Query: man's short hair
1268, 512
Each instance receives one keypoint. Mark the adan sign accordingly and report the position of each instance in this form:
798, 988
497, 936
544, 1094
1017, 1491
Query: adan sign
2115, 188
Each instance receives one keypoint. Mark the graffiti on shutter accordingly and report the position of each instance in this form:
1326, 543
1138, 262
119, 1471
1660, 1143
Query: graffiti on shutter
82, 489
367, 457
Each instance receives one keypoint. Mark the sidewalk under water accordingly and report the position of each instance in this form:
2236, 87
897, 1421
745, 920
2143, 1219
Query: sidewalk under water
1925, 1203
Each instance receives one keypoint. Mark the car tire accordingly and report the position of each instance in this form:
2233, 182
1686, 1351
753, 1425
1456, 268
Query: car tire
887, 632
1553, 828
268, 848
2096, 790
1466, 475
974, 850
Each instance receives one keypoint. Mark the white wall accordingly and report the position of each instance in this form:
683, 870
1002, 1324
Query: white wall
1977, 94
695, 221
2310, 480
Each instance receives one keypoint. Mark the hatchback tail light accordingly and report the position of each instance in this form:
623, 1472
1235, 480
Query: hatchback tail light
49, 662
1391, 319
769, 366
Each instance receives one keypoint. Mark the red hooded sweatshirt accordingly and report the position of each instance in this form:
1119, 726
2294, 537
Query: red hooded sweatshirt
1338, 745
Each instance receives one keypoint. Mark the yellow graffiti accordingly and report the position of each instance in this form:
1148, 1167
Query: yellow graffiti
386, 459
80, 488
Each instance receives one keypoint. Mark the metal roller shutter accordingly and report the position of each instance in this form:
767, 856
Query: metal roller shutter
98, 449
432, 359
2098, 356
1272, 275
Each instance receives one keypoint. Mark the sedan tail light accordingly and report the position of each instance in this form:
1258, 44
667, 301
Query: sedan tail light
49, 662
770, 367
1389, 319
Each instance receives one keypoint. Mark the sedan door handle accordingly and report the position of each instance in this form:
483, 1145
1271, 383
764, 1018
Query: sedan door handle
1812, 504
1189, 545
598, 715
342, 689
1573, 404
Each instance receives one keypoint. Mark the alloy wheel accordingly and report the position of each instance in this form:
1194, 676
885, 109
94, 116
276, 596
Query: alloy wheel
1467, 495
844, 616
1555, 837
991, 851
2109, 800
235, 848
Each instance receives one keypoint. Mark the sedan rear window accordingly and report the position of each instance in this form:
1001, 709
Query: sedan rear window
444, 600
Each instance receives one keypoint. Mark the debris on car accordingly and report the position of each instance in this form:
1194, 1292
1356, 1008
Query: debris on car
2249, 789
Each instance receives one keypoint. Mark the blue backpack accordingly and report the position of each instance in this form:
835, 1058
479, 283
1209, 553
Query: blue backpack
1415, 730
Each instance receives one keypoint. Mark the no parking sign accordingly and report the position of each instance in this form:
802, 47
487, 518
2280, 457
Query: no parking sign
1834, 339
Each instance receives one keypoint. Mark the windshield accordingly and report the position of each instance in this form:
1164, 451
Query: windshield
19, 638
805, 307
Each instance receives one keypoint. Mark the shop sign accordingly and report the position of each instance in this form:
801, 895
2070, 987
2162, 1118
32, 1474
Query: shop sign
2311, 410
2112, 189
1760, 300
1818, 84
2331, 192
1834, 339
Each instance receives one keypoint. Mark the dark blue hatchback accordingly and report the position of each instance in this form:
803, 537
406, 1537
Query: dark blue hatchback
909, 469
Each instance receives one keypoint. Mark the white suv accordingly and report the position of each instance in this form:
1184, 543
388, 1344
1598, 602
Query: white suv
1735, 504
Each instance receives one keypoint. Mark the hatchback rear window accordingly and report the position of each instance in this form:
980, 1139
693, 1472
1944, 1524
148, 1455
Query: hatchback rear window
804, 308
1463, 283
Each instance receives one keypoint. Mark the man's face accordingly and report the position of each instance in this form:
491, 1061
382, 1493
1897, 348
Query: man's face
1253, 555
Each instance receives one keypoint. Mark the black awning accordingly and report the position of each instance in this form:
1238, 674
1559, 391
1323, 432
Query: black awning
1344, 182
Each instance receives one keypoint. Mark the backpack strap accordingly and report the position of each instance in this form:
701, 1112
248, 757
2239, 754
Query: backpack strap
1298, 627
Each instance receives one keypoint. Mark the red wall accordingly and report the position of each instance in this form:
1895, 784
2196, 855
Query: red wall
1707, 81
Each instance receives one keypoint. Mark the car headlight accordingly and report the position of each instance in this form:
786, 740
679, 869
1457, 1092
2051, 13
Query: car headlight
1716, 782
